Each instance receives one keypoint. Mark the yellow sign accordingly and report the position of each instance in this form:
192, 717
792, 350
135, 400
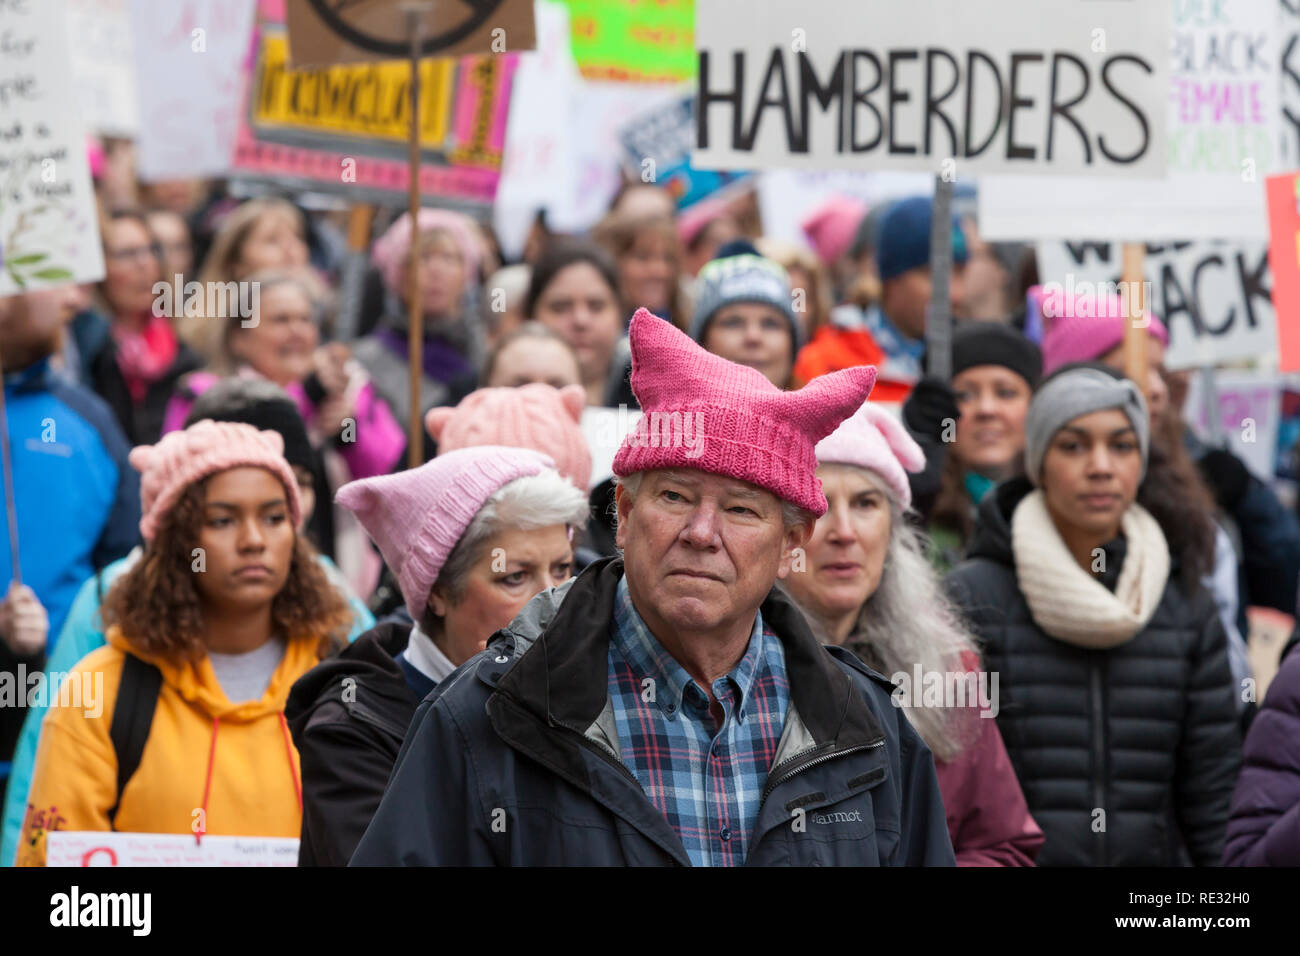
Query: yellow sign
370, 101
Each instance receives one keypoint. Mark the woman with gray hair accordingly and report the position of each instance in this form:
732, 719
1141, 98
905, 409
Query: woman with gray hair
866, 584
1116, 696
471, 536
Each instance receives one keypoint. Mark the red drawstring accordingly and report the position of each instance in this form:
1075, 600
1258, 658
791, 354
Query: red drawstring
288, 750
207, 783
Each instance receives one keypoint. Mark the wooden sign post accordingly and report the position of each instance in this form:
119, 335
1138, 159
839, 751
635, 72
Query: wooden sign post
415, 11
1136, 328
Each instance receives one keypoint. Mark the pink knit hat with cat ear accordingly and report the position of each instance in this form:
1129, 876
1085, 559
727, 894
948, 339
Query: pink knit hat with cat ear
205, 448
877, 441
417, 516
537, 416
701, 411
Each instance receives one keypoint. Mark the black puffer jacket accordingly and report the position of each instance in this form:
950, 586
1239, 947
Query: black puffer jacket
1146, 732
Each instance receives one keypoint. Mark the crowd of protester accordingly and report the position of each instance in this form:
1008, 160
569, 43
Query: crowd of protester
737, 643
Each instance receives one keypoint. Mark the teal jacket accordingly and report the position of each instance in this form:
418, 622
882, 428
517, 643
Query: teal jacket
82, 634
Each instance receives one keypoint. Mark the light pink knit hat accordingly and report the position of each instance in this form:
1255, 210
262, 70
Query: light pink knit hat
417, 516
701, 411
537, 416
833, 225
391, 250
1082, 328
877, 441
205, 448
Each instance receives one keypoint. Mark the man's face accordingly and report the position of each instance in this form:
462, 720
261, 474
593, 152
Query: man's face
906, 298
702, 551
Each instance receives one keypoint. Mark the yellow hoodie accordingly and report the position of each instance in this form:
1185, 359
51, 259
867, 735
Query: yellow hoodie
209, 765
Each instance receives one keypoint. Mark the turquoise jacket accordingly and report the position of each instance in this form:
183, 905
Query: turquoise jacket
81, 634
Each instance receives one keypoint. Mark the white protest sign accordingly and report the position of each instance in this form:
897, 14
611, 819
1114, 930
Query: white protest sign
49, 231
537, 166
106, 848
190, 83
953, 87
1289, 43
102, 60
1224, 119
1214, 297
1249, 414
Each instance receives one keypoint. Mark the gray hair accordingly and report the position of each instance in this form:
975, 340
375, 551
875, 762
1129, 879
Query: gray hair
908, 620
792, 515
525, 504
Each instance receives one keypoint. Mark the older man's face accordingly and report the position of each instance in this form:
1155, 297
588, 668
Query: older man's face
701, 550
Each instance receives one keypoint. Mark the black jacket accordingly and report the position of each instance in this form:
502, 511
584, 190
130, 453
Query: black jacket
348, 716
512, 760
141, 423
1146, 732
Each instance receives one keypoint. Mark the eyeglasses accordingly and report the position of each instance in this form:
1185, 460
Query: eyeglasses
134, 253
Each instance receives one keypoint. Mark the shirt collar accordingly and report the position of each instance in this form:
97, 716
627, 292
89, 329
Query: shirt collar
648, 658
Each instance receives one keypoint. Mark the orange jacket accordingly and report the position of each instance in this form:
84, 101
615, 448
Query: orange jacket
208, 766
833, 348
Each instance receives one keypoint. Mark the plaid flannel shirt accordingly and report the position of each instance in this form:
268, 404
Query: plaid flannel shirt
706, 780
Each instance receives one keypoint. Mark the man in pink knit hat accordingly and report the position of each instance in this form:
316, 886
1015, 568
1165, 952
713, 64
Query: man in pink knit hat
671, 706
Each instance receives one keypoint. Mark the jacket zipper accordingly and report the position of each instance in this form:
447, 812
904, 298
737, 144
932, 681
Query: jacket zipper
605, 753
775, 778
1099, 754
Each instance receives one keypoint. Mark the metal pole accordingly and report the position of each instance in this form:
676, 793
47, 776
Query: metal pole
938, 324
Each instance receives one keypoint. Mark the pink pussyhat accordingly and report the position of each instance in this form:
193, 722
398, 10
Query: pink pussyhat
701, 411
181, 458
537, 416
874, 439
832, 226
1081, 328
417, 516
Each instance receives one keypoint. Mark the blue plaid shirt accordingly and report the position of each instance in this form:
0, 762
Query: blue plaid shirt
706, 780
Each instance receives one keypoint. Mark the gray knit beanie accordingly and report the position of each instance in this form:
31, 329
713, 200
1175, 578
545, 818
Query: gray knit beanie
743, 278
1074, 392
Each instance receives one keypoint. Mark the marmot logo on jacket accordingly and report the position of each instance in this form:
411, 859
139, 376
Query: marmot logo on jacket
841, 816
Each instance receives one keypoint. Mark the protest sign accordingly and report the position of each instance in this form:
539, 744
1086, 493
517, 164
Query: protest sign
657, 149
49, 231
1289, 41
103, 64
1284, 260
634, 41
537, 167
1249, 408
323, 32
99, 848
1224, 121
949, 86
343, 129
1212, 296
189, 84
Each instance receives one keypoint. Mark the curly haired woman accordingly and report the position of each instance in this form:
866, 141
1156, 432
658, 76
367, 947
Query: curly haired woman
227, 607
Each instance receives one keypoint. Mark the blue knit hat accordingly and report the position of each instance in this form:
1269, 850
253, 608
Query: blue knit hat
904, 240
742, 278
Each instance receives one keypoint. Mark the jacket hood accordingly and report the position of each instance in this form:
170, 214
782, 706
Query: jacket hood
197, 683
369, 660
992, 535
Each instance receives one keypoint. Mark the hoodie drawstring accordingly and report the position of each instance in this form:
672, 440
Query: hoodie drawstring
207, 782
288, 751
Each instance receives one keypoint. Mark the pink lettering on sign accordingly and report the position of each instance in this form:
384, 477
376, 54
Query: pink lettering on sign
1218, 101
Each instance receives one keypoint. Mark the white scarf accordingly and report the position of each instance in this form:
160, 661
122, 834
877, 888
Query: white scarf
1069, 603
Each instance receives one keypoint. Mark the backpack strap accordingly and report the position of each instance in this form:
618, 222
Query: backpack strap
137, 697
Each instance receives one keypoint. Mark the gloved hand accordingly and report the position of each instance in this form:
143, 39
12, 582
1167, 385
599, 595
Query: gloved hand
931, 404
24, 624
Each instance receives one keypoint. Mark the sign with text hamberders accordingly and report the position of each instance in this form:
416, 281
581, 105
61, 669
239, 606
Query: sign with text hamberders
959, 86
322, 32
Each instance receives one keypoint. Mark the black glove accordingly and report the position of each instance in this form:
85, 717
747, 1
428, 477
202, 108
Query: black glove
1227, 477
927, 409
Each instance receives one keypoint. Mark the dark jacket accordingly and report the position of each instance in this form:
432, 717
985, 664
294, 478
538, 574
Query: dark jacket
141, 423
1264, 829
513, 759
1146, 732
348, 716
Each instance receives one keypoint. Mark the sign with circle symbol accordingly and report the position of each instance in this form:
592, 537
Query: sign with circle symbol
346, 31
